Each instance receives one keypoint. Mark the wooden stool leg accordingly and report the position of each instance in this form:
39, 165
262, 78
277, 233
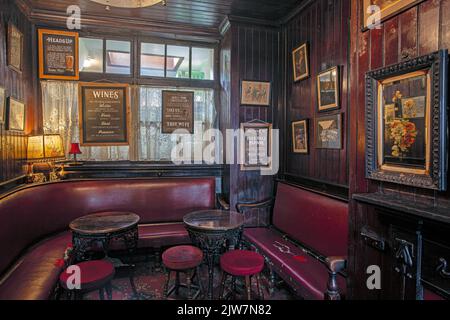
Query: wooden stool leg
101, 293
166, 287
248, 286
177, 283
188, 283
258, 284
222, 285
108, 289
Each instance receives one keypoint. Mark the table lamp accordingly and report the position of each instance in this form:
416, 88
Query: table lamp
44, 149
75, 149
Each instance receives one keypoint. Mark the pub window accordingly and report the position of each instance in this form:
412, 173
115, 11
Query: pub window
178, 62
152, 59
118, 57
91, 55
203, 63
156, 146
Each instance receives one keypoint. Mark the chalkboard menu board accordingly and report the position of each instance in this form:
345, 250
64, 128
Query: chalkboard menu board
177, 111
255, 145
58, 55
104, 114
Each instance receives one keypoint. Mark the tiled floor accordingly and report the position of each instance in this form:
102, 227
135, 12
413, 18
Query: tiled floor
150, 284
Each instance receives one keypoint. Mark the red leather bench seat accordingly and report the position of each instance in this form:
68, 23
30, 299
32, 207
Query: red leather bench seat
318, 222
39, 211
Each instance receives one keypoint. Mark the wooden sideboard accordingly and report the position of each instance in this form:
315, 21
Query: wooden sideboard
412, 245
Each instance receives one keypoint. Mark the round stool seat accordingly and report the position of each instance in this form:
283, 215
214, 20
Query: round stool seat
182, 257
94, 274
242, 262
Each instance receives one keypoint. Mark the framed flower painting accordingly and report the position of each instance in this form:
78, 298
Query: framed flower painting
407, 122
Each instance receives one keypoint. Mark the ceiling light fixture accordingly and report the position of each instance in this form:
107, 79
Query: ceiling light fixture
130, 3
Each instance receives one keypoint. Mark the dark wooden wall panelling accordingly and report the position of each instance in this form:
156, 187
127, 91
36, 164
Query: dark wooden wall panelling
254, 56
20, 86
324, 25
417, 31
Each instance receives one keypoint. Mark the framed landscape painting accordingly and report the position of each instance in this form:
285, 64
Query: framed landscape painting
328, 89
15, 115
387, 9
407, 122
300, 136
300, 61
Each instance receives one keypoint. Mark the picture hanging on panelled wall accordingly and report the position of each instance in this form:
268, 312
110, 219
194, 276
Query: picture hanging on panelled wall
406, 113
15, 115
255, 93
2, 104
300, 62
14, 48
329, 132
255, 145
104, 114
58, 55
328, 89
375, 12
177, 111
300, 136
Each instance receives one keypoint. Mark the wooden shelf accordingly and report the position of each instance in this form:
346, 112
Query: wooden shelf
392, 202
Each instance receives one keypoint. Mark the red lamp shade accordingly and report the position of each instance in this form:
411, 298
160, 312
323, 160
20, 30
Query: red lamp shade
75, 148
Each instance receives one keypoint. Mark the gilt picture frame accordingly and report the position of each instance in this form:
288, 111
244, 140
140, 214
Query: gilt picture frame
406, 125
2, 104
15, 117
14, 48
300, 137
256, 93
300, 62
329, 132
328, 89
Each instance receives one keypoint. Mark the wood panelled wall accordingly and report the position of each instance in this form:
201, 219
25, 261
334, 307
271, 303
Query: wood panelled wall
324, 25
20, 86
254, 53
420, 30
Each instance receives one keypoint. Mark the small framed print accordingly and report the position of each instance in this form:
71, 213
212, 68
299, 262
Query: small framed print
2, 104
300, 61
255, 146
329, 132
300, 136
328, 89
14, 48
406, 112
15, 119
255, 93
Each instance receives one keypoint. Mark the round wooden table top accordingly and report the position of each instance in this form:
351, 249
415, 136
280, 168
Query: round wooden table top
214, 220
104, 222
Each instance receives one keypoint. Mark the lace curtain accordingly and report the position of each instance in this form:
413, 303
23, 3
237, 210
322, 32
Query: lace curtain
60, 111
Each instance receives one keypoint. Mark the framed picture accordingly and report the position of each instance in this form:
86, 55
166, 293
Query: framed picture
407, 122
255, 93
14, 48
388, 9
177, 111
329, 132
15, 119
2, 104
58, 54
255, 146
300, 62
328, 89
300, 136
104, 110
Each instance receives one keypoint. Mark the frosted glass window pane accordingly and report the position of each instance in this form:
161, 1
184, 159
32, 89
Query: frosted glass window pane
152, 59
91, 55
203, 63
118, 57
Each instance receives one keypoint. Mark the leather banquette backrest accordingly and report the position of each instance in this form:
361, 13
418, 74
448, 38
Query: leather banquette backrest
317, 221
34, 212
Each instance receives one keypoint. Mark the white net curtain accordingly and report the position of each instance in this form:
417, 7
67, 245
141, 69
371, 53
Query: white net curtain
147, 143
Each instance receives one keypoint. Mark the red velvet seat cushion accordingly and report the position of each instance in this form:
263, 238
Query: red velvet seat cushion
162, 235
35, 275
242, 262
182, 257
94, 274
309, 276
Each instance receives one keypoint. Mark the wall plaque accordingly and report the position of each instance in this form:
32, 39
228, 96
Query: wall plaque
255, 146
58, 55
177, 111
103, 114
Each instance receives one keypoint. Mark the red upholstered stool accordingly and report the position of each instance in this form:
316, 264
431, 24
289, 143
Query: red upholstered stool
185, 259
95, 275
241, 263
